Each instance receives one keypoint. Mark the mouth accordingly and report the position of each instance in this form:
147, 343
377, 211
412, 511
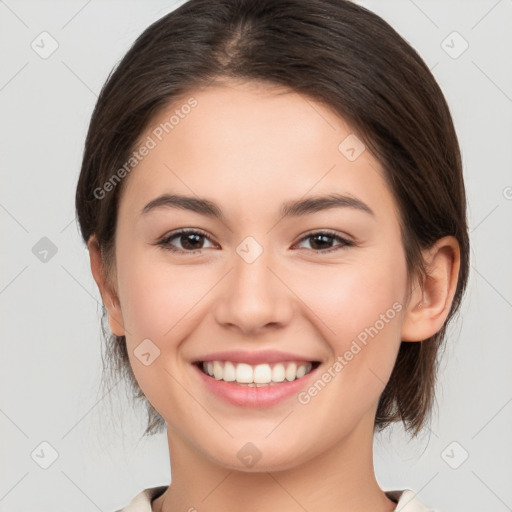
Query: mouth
258, 375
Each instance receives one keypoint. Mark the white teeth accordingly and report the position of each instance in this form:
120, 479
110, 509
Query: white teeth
291, 372
301, 371
258, 375
244, 373
262, 374
278, 373
217, 370
229, 374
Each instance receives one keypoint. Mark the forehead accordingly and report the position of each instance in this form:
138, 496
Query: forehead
249, 143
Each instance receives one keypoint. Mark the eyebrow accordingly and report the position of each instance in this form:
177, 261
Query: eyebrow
293, 208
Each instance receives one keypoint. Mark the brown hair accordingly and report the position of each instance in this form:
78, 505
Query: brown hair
334, 52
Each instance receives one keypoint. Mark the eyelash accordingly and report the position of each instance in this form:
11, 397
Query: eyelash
165, 242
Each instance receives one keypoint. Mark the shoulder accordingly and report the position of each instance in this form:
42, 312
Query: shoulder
407, 501
142, 501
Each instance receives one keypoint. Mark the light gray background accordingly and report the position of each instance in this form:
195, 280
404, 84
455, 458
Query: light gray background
50, 334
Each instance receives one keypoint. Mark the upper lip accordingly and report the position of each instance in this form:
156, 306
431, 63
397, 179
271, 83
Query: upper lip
248, 357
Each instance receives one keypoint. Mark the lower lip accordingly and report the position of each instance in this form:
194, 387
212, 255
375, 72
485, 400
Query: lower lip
245, 396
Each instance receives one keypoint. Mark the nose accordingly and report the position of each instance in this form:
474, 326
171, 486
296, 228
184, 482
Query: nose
253, 297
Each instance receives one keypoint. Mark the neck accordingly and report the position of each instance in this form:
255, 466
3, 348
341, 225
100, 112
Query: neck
341, 479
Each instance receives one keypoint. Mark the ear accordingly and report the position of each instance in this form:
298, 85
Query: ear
430, 301
108, 295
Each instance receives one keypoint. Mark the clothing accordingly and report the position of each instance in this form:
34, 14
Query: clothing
406, 500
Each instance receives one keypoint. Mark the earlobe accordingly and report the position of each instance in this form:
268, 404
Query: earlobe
108, 295
431, 301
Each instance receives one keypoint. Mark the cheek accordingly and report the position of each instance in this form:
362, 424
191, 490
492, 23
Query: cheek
159, 302
359, 313
354, 296
157, 298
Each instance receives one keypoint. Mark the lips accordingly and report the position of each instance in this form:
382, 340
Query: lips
255, 379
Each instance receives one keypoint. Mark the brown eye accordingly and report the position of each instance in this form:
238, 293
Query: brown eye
190, 241
321, 241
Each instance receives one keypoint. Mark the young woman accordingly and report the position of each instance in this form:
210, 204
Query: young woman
273, 201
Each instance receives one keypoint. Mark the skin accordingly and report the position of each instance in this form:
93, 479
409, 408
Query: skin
249, 148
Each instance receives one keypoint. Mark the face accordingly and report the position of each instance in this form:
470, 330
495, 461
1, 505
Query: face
322, 285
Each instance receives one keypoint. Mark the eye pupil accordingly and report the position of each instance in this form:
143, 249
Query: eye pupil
323, 238
188, 238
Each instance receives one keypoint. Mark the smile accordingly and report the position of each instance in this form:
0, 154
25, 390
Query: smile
259, 375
